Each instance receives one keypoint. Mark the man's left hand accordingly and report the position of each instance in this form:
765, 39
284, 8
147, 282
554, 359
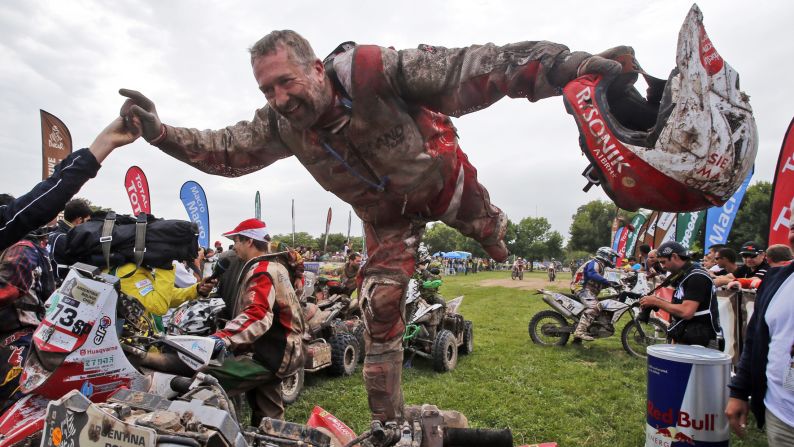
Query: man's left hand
613, 61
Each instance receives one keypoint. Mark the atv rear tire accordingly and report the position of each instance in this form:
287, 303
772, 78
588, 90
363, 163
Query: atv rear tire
344, 355
291, 387
445, 351
359, 334
543, 325
468, 338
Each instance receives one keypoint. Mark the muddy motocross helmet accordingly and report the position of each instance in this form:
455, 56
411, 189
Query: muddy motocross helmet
196, 317
687, 146
606, 255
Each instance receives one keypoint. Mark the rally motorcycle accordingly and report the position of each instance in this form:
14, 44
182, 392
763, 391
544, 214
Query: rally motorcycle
434, 331
94, 340
517, 273
554, 327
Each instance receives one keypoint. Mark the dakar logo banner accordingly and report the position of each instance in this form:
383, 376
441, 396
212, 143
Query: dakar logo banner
195, 201
56, 143
719, 220
138, 191
782, 212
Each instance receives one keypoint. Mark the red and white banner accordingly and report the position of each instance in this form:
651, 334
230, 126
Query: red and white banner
138, 191
781, 214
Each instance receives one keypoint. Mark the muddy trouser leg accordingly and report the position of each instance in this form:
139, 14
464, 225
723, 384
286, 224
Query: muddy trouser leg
392, 257
589, 314
243, 374
466, 206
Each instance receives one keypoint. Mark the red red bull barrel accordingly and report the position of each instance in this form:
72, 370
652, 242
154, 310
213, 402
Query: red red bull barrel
687, 394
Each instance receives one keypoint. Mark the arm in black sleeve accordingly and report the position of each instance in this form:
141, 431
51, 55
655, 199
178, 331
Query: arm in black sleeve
740, 385
47, 199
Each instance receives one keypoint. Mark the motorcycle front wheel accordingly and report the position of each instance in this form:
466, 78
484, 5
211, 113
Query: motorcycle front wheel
637, 337
548, 328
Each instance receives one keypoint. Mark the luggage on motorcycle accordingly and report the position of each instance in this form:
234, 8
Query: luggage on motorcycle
112, 242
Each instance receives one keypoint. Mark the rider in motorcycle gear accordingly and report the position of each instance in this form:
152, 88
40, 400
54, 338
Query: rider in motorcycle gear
592, 283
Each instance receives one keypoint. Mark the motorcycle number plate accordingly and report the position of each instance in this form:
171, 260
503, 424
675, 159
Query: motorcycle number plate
573, 306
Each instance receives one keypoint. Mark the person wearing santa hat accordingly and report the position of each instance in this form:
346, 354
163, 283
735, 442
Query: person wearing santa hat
265, 333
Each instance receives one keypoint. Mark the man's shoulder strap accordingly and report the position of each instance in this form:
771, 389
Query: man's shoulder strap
328, 62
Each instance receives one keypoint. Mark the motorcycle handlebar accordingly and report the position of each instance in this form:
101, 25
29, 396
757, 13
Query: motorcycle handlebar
471, 437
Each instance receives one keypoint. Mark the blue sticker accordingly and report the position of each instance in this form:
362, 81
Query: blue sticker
87, 389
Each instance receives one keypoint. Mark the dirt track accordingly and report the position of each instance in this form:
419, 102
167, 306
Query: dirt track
525, 284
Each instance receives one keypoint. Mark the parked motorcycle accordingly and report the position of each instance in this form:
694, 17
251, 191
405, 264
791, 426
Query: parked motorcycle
554, 327
94, 340
434, 331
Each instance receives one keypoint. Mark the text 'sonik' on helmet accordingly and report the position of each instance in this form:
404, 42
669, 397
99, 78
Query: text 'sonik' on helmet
687, 146
607, 255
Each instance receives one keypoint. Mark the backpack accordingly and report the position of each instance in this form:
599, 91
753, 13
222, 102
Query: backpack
122, 239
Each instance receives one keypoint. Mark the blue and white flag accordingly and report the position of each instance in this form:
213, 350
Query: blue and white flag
195, 201
719, 220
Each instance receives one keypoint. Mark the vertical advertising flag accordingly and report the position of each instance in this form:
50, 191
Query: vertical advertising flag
195, 201
719, 220
687, 227
616, 240
624, 236
257, 207
638, 222
327, 229
782, 212
293, 222
349, 221
56, 142
650, 229
138, 191
665, 229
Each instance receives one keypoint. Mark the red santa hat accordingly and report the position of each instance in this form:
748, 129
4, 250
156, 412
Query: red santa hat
251, 228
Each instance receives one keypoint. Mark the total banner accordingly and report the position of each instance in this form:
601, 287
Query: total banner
56, 143
195, 201
137, 188
781, 214
687, 227
719, 220
616, 240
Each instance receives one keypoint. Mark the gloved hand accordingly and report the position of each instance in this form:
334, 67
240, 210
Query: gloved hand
610, 62
143, 108
615, 284
219, 348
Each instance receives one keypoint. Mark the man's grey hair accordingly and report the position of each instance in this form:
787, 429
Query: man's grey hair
300, 50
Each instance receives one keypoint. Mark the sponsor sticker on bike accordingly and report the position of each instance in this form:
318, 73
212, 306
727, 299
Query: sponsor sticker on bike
84, 293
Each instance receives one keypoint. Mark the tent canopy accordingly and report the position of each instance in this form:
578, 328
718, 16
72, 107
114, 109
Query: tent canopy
453, 254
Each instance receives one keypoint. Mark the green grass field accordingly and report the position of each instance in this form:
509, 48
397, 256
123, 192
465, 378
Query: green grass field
576, 396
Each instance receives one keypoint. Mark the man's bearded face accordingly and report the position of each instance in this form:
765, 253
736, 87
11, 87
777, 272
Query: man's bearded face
295, 91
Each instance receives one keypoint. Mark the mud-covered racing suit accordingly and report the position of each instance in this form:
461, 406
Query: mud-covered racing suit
265, 335
592, 283
394, 157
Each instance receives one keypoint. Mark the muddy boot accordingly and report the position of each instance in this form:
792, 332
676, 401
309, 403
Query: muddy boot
382, 375
581, 329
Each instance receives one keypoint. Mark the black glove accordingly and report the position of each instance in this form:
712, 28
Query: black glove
144, 109
615, 284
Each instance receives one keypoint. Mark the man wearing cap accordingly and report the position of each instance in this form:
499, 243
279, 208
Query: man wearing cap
695, 318
755, 264
266, 331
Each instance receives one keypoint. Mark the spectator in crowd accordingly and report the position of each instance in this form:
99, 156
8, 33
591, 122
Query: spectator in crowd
218, 247
26, 281
726, 261
766, 363
350, 272
75, 212
755, 264
42, 204
653, 267
711, 259
644, 250
695, 317
777, 255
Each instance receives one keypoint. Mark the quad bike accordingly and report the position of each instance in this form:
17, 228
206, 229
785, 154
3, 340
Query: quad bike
517, 273
434, 331
93, 341
201, 416
554, 327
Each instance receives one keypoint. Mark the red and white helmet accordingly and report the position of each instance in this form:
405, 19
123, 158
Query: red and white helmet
687, 146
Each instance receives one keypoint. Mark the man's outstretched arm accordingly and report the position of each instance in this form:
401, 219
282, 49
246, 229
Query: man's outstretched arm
47, 199
457, 81
233, 151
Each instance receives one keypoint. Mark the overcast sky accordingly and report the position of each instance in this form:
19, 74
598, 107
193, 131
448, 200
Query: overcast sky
190, 57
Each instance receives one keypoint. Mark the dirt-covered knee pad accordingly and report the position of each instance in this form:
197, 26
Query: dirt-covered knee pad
383, 308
